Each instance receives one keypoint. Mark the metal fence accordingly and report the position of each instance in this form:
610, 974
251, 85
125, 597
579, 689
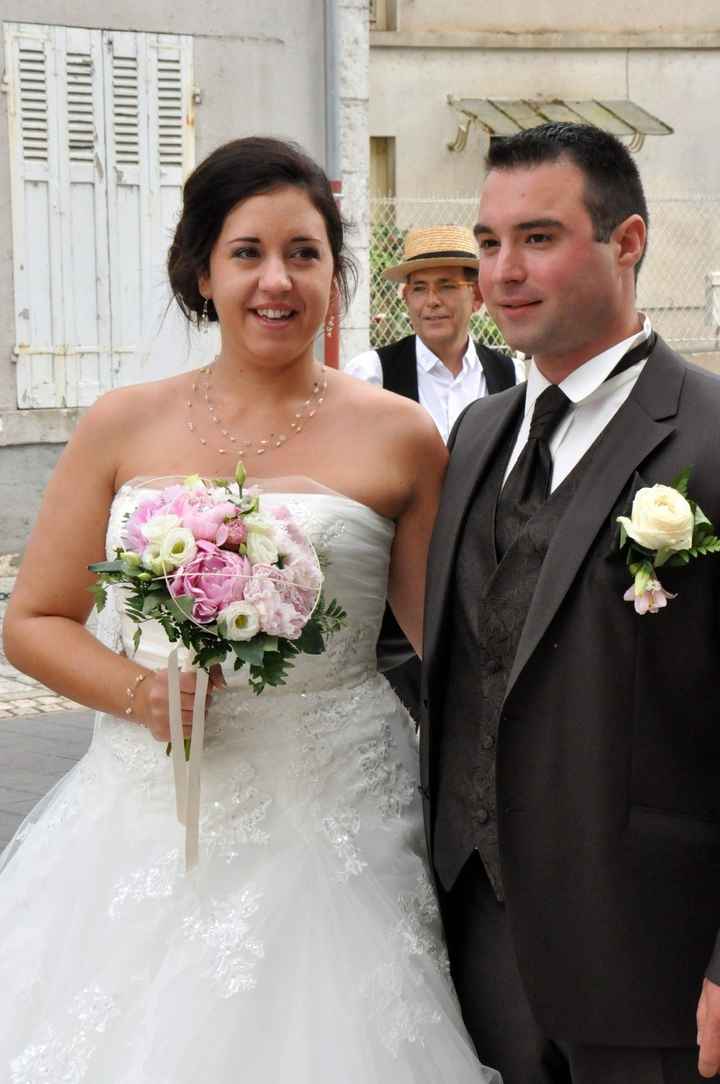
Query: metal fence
678, 287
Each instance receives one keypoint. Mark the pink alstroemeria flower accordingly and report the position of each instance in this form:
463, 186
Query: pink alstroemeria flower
653, 599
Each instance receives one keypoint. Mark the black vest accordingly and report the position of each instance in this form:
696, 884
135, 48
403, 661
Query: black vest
490, 603
399, 369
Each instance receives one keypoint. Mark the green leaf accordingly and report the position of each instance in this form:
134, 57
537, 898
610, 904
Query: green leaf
310, 641
662, 556
623, 536
709, 545
681, 482
99, 594
136, 638
150, 603
107, 566
251, 651
180, 607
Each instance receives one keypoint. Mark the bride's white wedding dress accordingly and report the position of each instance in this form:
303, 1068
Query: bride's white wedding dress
306, 947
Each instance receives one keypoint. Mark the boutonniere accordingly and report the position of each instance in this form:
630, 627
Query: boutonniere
665, 527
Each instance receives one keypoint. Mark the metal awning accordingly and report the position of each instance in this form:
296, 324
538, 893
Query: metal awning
503, 117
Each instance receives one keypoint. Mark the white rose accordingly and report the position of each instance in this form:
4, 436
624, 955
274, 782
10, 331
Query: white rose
661, 518
261, 548
239, 621
177, 547
156, 528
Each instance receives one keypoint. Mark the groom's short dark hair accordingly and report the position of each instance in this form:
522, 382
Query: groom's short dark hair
613, 189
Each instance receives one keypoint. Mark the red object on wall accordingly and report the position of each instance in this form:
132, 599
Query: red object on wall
331, 340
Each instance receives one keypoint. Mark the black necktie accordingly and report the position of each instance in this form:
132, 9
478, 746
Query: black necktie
528, 484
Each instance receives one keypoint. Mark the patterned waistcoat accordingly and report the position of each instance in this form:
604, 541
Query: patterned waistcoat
489, 604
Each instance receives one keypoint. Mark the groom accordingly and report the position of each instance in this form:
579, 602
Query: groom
571, 745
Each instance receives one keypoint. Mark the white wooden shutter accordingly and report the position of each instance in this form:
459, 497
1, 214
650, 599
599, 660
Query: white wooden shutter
101, 138
148, 95
58, 208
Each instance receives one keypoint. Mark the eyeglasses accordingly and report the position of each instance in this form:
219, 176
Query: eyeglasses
445, 291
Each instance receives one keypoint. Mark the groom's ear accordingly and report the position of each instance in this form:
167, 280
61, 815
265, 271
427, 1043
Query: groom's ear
622, 508
630, 236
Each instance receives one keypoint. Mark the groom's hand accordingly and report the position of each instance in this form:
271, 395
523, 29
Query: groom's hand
708, 1025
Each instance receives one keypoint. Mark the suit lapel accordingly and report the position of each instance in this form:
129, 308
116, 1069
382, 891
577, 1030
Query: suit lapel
473, 449
641, 425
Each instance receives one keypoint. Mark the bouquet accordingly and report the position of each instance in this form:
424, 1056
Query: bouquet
227, 578
224, 576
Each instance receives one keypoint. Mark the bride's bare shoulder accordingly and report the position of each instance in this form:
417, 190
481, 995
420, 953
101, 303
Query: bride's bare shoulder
135, 404
368, 404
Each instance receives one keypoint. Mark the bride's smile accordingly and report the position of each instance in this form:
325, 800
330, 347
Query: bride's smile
269, 277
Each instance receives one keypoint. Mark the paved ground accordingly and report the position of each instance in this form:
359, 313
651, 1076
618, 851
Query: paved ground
21, 695
35, 752
41, 734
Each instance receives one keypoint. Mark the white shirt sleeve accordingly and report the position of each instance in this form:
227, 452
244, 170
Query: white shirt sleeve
367, 367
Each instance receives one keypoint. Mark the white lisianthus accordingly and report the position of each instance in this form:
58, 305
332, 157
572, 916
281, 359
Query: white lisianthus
193, 481
255, 521
661, 519
151, 559
156, 528
177, 547
239, 621
260, 543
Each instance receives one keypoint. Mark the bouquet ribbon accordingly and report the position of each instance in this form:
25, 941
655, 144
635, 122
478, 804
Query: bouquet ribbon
187, 773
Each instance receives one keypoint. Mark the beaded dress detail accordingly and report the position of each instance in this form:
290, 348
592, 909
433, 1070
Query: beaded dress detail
305, 948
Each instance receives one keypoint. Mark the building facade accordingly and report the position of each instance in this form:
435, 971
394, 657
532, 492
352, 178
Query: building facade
103, 114
444, 79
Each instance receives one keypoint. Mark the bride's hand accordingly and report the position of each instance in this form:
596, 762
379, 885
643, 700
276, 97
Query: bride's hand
152, 702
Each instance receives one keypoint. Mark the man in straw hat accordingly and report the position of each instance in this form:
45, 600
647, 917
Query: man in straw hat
439, 367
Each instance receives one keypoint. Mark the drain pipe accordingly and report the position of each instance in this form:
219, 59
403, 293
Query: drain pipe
332, 161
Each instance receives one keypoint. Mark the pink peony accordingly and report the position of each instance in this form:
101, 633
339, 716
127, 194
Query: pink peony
653, 598
214, 578
208, 522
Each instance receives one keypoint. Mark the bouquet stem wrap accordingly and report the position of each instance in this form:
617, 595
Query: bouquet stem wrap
187, 773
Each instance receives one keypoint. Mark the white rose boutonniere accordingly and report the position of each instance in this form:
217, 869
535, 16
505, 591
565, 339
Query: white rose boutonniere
665, 527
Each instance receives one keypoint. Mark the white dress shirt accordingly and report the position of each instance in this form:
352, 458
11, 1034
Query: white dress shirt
595, 401
443, 395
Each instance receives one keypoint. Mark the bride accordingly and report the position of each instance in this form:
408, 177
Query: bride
306, 945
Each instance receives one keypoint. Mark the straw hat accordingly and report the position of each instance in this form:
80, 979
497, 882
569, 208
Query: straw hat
435, 246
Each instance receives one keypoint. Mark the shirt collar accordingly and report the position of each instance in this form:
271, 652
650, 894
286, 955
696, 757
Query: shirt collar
589, 376
428, 361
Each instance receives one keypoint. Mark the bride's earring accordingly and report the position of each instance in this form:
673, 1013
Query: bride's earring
329, 324
203, 319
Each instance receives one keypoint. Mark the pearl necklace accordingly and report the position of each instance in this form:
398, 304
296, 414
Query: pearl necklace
307, 411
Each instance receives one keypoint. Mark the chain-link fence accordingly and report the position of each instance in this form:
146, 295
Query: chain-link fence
679, 285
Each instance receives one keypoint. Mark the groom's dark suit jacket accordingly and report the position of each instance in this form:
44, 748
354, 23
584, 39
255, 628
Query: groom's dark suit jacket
608, 747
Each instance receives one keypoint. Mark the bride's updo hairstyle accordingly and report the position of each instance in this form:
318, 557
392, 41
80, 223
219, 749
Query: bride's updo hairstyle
233, 173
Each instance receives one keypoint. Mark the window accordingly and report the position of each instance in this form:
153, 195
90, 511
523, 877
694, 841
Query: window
382, 166
101, 137
383, 14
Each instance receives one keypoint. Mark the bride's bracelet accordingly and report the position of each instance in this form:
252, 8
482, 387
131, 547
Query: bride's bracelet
132, 689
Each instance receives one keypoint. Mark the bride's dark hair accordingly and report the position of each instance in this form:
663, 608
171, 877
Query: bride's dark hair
235, 172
